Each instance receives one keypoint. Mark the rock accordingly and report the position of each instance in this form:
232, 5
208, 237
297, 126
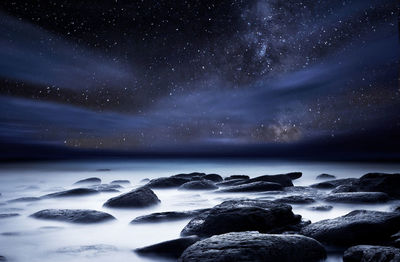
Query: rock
106, 188
231, 182
167, 182
141, 197
357, 227
172, 248
375, 182
145, 180
253, 187
321, 208
254, 247
168, 216
120, 182
72, 192
242, 215
282, 179
357, 197
296, 199
325, 176
3, 258
241, 177
294, 175
213, 177
8, 215
189, 175
24, 199
90, 180
85, 216
333, 183
395, 240
365, 253
199, 185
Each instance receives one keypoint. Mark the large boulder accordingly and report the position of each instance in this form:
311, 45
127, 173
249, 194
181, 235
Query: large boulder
254, 247
141, 197
167, 182
72, 193
169, 249
253, 187
357, 227
357, 197
168, 216
90, 180
365, 253
73, 215
199, 185
243, 215
333, 183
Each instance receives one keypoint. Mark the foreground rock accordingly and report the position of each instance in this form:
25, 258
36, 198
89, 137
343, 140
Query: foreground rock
199, 185
73, 215
167, 182
254, 247
357, 227
243, 215
168, 216
120, 182
364, 253
253, 187
72, 192
357, 197
141, 197
90, 180
171, 249
325, 176
296, 199
333, 183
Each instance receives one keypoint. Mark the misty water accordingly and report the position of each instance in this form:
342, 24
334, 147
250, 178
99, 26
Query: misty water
23, 238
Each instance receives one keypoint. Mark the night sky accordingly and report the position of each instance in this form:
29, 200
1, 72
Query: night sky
188, 75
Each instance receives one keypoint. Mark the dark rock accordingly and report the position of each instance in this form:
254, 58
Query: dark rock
172, 248
120, 182
333, 183
8, 215
241, 177
326, 176
145, 180
73, 215
3, 258
395, 240
90, 180
213, 177
199, 185
357, 197
242, 215
168, 216
232, 182
106, 188
72, 192
253, 187
167, 182
321, 208
297, 199
254, 247
357, 227
141, 197
294, 175
283, 179
189, 175
24, 199
364, 253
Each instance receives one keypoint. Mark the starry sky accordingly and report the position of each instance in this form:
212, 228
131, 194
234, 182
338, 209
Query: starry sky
188, 75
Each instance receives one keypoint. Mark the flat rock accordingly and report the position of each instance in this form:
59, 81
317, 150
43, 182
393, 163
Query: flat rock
213, 177
295, 199
8, 215
141, 197
321, 208
84, 216
90, 180
24, 199
72, 193
168, 216
294, 175
365, 253
190, 175
253, 187
282, 179
167, 182
231, 182
120, 182
357, 197
199, 185
333, 183
171, 249
326, 176
242, 215
254, 247
357, 227
242, 177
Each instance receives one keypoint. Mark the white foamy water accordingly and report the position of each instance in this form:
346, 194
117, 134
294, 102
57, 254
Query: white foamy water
23, 238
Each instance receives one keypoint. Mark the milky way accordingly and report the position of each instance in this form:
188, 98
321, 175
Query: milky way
154, 74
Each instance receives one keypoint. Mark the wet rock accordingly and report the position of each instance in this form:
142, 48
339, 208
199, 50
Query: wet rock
3, 258
190, 176
253, 187
199, 185
145, 180
365, 253
172, 248
282, 179
242, 215
395, 240
120, 182
325, 176
254, 247
231, 182
106, 188
357, 197
213, 177
168, 216
296, 199
90, 180
333, 183
84, 216
294, 175
241, 177
141, 197
357, 227
8, 215
72, 193
321, 208
167, 182
24, 199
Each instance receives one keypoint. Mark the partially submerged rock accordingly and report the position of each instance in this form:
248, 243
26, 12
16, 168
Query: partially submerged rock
230, 182
253, 187
295, 199
8, 215
24, 199
242, 177
141, 197
90, 180
167, 182
294, 175
168, 216
120, 182
85, 216
326, 176
171, 249
357, 197
283, 179
333, 183
199, 185
72, 192
106, 187
190, 176
321, 208
366, 253
213, 177
254, 247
